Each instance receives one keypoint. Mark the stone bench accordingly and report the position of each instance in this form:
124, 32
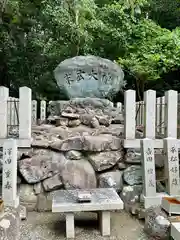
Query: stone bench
175, 230
103, 201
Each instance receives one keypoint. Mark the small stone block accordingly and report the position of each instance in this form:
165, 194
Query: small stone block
104, 218
84, 197
153, 201
171, 205
175, 231
70, 225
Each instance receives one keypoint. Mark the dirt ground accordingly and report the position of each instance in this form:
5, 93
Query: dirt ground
50, 226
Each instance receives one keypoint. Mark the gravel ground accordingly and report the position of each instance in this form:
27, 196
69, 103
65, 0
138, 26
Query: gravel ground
49, 226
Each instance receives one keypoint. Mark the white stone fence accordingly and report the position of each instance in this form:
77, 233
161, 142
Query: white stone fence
171, 163
15, 116
43, 110
157, 118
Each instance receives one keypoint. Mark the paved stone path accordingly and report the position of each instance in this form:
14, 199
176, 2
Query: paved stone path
49, 226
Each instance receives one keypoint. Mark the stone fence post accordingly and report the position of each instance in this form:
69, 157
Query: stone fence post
4, 94
25, 112
9, 181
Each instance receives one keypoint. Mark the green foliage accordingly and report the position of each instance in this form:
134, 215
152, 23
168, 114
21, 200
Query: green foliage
166, 13
36, 35
152, 52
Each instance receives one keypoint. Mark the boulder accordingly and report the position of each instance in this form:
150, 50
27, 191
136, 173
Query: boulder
114, 129
52, 183
38, 188
72, 143
74, 122
122, 166
73, 155
132, 156
131, 194
70, 115
62, 121
89, 76
157, 225
112, 179
88, 143
133, 175
85, 106
105, 160
101, 143
89, 120
78, 174
43, 165
104, 120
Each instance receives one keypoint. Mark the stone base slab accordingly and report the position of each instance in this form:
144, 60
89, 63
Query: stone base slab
175, 231
170, 207
154, 200
14, 203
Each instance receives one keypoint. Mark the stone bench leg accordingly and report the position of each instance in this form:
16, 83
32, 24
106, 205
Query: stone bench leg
70, 225
104, 221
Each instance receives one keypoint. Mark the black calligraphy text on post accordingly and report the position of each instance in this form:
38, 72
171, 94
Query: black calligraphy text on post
175, 181
173, 159
8, 185
149, 151
150, 171
8, 173
174, 169
8, 160
151, 183
8, 152
149, 159
173, 150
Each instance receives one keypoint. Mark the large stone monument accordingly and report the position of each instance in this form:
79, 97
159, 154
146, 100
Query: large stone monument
89, 76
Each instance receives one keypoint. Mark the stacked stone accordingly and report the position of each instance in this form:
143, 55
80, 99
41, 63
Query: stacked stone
81, 147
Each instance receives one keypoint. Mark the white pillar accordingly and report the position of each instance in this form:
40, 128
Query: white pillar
130, 114
34, 112
9, 181
162, 109
171, 101
158, 114
12, 111
143, 113
70, 233
119, 105
140, 113
150, 113
9, 111
148, 165
4, 94
25, 109
172, 166
105, 227
137, 113
16, 110
43, 110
